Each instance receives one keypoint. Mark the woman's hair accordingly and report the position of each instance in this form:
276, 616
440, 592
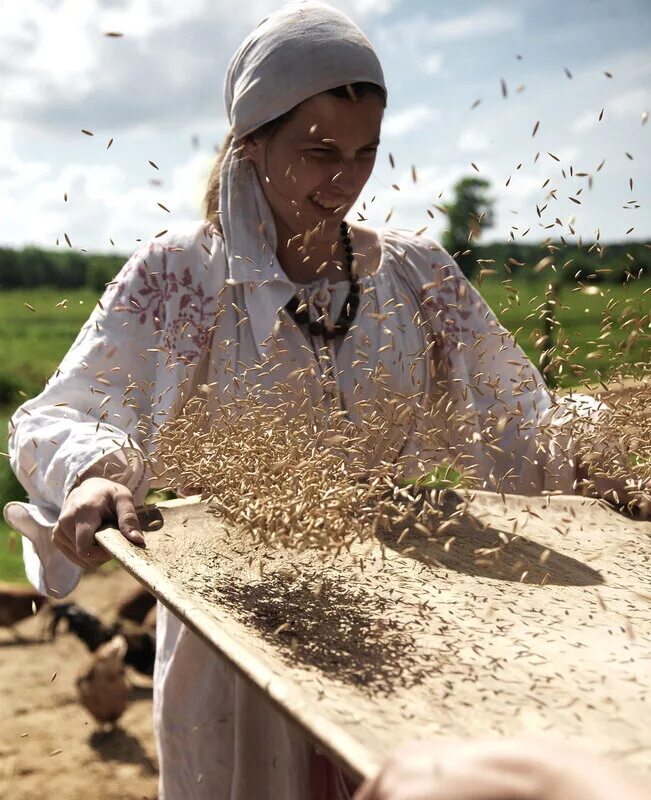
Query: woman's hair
211, 197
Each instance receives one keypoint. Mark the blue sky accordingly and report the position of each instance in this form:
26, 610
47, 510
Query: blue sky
157, 91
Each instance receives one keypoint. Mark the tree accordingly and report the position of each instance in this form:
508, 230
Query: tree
470, 211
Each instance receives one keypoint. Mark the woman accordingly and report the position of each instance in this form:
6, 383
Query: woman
263, 290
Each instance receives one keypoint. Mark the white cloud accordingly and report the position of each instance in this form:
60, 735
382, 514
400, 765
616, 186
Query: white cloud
627, 104
631, 103
432, 63
365, 8
409, 119
417, 32
482, 22
142, 18
585, 121
473, 140
188, 183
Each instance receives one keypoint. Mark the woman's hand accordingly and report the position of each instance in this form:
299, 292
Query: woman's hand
517, 769
611, 485
94, 501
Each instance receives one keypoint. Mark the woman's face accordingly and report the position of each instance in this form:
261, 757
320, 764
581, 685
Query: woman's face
318, 161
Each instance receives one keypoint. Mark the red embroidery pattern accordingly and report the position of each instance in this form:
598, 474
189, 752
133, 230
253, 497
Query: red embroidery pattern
186, 331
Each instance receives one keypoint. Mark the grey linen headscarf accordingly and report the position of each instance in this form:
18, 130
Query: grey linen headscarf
300, 50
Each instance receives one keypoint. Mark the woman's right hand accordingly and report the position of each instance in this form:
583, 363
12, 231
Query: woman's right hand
87, 506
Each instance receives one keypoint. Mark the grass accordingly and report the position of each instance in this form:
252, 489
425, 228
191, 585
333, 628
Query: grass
11, 560
34, 342
581, 317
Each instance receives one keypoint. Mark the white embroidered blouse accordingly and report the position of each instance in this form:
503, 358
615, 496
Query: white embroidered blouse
174, 316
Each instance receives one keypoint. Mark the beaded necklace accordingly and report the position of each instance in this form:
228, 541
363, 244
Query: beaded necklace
349, 310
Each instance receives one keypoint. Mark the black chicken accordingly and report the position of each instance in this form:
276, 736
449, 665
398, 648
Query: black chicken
141, 642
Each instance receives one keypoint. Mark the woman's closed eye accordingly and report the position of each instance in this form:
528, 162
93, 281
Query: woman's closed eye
324, 153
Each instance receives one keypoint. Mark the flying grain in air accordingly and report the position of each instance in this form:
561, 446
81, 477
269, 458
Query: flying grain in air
88, 133
153, 165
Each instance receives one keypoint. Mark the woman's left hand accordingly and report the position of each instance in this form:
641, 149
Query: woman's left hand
633, 494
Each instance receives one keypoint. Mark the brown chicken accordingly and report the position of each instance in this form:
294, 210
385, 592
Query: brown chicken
103, 687
17, 603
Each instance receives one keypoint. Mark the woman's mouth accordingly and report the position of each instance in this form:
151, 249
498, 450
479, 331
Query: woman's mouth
327, 205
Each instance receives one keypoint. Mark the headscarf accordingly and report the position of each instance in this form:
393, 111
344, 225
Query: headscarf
300, 50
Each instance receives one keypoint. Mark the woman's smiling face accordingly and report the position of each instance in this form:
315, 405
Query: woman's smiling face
318, 161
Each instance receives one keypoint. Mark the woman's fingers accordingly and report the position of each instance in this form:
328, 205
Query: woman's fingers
62, 543
128, 523
85, 508
87, 548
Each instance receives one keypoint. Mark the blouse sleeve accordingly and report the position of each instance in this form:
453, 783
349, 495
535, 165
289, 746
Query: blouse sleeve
93, 414
130, 368
92, 405
500, 421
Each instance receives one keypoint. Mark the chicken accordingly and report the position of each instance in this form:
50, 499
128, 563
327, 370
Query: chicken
136, 605
140, 640
102, 685
17, 603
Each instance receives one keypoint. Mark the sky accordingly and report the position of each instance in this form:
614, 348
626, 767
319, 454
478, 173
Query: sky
157, 92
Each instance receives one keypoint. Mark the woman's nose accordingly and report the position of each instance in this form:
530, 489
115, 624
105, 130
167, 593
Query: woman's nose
345, 178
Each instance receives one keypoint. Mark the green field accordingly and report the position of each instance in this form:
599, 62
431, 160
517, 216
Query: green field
36, 341
581, 317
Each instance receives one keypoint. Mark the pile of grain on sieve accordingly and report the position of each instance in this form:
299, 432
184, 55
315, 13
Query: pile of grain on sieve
323, 621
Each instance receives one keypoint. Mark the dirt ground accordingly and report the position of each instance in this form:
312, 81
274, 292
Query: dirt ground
49, 745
